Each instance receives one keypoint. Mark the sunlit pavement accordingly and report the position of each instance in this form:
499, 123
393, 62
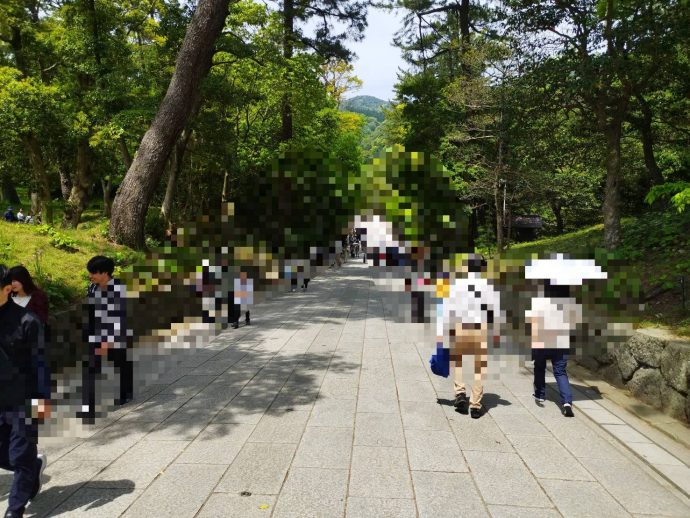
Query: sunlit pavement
325, 406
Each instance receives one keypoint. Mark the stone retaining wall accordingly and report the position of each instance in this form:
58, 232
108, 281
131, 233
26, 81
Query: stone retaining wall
654, 366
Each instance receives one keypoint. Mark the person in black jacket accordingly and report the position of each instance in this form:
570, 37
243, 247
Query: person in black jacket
106, 334
24, 397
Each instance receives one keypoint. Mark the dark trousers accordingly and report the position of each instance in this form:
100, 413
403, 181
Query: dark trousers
18, 452
92, 368
559, 361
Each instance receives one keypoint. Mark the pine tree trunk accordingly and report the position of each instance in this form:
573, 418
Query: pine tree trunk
193, 63
174, 171
557, 210
611, 208
654, 176
79, 196
124, 152
499, 217
286, 131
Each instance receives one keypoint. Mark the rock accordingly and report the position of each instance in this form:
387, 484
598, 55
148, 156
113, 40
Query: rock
675, 365
605, 357
612, 374
645, 385
673, 402
588, 363
646, 349
627, 364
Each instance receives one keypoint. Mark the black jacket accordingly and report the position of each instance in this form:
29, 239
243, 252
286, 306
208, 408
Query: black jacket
24, 373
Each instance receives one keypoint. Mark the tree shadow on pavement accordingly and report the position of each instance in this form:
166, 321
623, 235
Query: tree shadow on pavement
77, 496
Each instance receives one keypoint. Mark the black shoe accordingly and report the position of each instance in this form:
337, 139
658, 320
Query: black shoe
14, 514
475, 413
87, 416
122, 401
236, 325
568, 410
461, 403
43, 460
246, 318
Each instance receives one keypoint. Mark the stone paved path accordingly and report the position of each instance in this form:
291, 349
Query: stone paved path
326, 407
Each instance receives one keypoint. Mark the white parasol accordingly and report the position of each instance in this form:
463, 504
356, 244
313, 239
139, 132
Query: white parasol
563, 271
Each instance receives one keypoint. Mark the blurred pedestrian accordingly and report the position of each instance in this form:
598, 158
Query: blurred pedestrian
106, 334
243, 297
27, 294
24, 397
468, 317
553, 316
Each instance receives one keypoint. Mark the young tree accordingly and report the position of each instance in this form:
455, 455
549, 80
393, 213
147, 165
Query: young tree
338, 77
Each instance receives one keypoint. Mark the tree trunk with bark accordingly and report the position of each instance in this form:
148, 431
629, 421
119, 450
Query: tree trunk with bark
499, 216
65, 182
79, 196
124, 152
33, 148
174, 170
286, 129
611, 208
654, 176
107, 188
557, 209
8, 193
193, 63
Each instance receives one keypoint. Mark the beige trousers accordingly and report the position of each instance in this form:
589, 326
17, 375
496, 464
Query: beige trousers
470, 341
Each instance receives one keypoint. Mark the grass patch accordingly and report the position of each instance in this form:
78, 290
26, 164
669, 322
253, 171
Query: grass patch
57, 257
655, 251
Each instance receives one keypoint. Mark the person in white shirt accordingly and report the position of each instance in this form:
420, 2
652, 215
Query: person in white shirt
20, 216
468, 316
553, 318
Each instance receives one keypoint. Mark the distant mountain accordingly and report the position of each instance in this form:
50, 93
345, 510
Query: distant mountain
366, 105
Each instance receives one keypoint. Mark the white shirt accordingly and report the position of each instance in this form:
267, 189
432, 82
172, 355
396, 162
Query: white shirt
469, 301
557, 319
244, 291
22, 301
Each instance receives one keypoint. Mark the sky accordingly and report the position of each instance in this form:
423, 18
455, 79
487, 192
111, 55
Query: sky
378, 61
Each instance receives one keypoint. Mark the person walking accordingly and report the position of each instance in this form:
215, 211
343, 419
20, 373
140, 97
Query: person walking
553, 316
24, 398
242, 299
106, 335
469, 315
27, 294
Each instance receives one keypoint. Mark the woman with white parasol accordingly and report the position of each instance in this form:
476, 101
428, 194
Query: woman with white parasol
553, 317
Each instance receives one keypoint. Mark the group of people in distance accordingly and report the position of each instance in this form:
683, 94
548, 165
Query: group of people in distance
20, 217
470, 316
25, 386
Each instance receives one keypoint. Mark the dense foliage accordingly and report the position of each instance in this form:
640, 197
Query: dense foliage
555, 108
